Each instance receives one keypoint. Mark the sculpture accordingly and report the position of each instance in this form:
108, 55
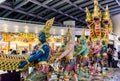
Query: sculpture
99, 28
70, 61
83, 54
41, 56
94, 21
84, 51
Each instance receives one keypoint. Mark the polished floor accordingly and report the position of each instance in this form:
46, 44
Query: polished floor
107, 75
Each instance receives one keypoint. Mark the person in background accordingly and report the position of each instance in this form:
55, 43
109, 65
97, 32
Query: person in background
119, 55
10, 51
118, 64
115, 58
110, 59
2, 52
14, 52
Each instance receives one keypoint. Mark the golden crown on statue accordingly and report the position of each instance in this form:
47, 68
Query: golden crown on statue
48, 26
99, 26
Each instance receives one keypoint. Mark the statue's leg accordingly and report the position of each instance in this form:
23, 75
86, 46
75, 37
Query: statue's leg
74, 69
67, 71
75, 77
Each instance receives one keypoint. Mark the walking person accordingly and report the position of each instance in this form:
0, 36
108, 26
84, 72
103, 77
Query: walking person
115, 58
110, 58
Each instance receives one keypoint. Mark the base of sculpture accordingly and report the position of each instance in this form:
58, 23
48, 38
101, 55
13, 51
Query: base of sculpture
13, 76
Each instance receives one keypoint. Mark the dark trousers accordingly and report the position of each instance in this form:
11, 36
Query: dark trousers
115, 63
110, 63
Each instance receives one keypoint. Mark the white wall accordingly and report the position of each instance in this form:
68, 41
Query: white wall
116, 24
116, 28
9, 26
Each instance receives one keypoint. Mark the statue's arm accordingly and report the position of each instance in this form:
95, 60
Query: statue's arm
65, 53
35, 56
82, 50
41, 51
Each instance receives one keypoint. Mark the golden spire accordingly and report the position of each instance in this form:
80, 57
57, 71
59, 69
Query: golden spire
96, 12
88, 15
106, 14
83, 34
48, 26
68, 33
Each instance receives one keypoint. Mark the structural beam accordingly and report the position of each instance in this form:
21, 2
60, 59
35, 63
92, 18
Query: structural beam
67, 6
16, 7
70, 10
22, 17
17, 16
33, 9
47, 1
118, 2
116, 12
73, 4
57, 4
21, 4
38, 3
20, 11
73, 14
62, 19
5, 11
5, 15
50, 15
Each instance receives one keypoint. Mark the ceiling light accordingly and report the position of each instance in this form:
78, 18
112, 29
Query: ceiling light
5, 25
16, 26
36, 30
1, 1
16, 30
5, 29
26, 27
62, 32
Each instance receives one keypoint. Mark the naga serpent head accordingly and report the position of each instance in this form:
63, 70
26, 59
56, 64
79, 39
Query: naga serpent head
88, 17
106, 17
96, 14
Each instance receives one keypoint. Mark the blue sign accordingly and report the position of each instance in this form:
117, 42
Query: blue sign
0, 37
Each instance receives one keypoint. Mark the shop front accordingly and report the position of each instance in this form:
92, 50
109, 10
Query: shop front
17, 41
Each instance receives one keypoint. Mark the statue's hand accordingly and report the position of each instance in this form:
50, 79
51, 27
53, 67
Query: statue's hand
22, 64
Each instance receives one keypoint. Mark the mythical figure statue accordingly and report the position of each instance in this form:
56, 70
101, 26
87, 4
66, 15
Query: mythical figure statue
70, 61
94, 21
84, 51
99, 28
41, 56
104, 54
82, 55
97, 55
